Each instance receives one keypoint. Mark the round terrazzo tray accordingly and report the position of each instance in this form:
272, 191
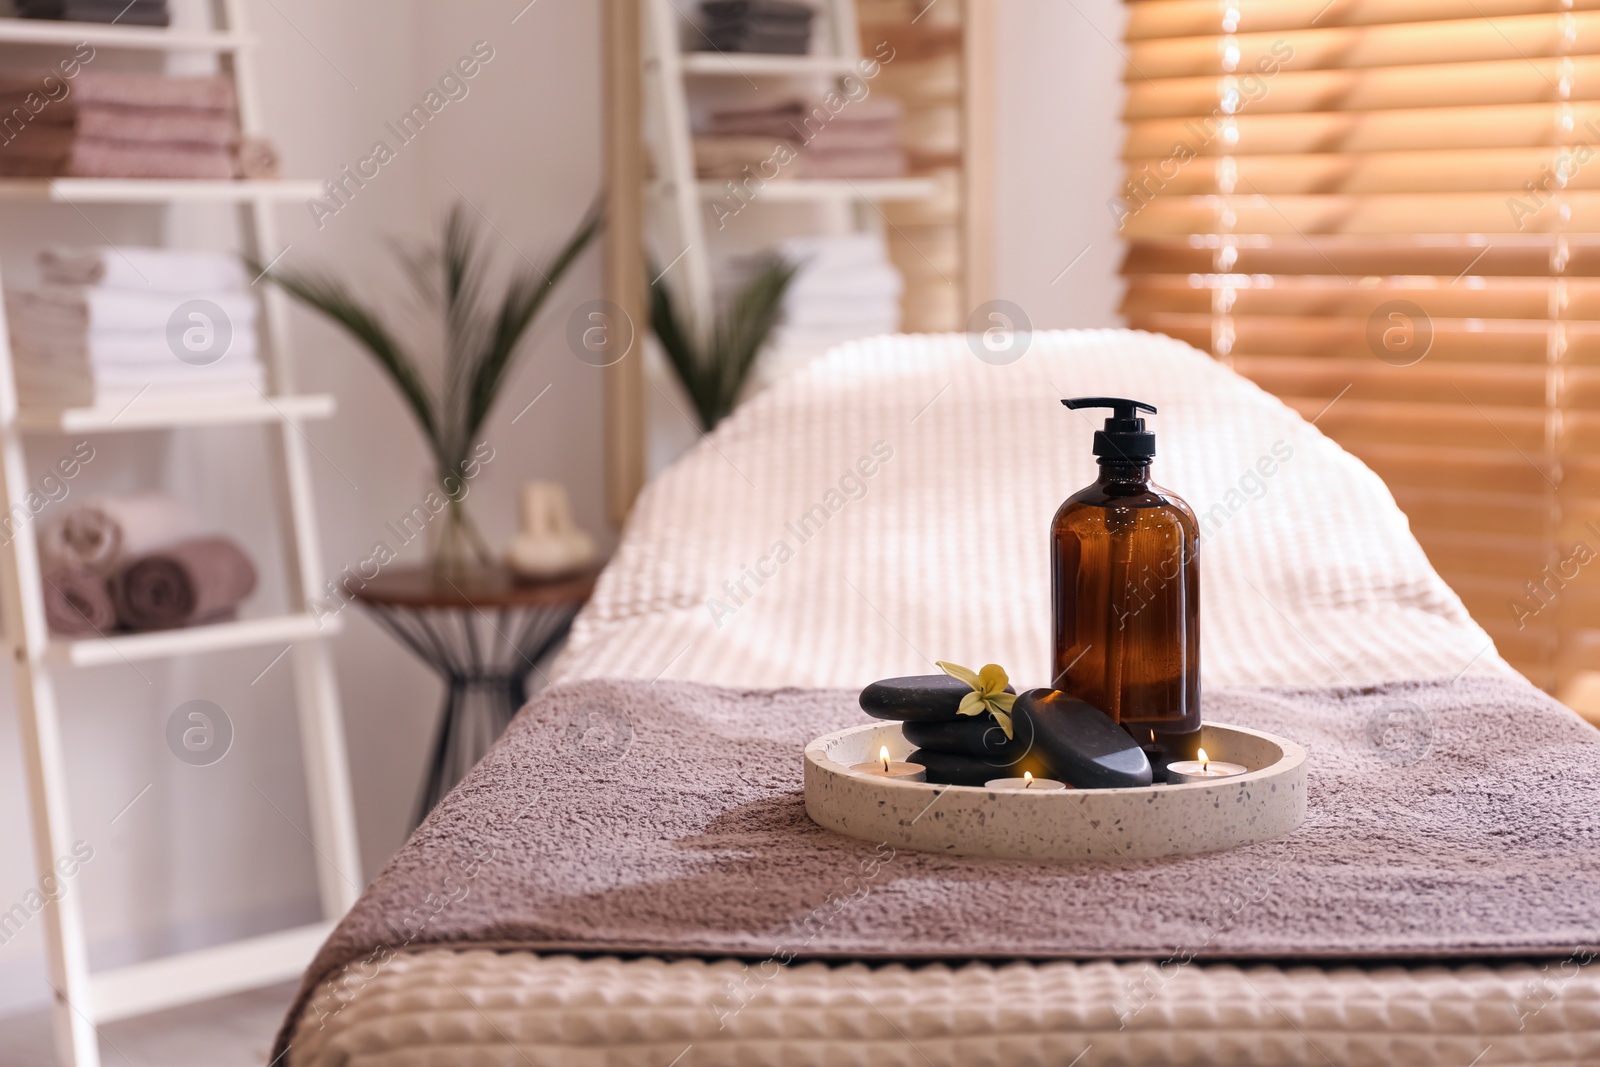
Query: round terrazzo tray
1074, 824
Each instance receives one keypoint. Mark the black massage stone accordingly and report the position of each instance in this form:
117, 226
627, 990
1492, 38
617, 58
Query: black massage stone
947, 769
970, 735
1159, 757
917, 698
1079, 743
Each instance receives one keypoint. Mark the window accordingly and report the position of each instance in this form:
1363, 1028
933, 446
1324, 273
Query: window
1388, 214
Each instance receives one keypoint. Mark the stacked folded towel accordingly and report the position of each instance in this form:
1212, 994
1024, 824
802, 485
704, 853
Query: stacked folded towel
120, 125
845, 288
805, 139
108, 324
125, 12
138, 563
780, 26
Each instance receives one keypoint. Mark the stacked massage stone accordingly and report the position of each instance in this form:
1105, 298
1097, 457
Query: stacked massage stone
1053, 736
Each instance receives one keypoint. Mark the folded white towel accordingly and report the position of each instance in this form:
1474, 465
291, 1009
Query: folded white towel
835, 250
111, 348
144, 269
862, 280
47, 386
60, 307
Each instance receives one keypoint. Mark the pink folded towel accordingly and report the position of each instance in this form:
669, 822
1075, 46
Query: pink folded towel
93, 158
874, 163
57, 126
212, 92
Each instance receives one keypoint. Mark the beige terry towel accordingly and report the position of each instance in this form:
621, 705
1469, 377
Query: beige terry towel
209, 92
726, 157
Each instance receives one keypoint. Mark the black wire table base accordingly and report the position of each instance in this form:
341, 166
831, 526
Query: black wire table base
484, 657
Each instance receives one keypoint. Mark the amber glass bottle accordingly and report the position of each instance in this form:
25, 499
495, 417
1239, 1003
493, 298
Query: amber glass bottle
1125, 571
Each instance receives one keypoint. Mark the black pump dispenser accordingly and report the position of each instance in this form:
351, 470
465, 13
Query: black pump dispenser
1124, 438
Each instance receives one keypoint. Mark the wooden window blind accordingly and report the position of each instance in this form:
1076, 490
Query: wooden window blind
1387, 212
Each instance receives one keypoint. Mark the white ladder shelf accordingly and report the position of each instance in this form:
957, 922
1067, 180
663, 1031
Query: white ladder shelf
676, 201
83, 999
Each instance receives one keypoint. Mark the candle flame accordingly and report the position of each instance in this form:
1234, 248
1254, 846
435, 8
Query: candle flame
883, 754
1027, 779
1204, 759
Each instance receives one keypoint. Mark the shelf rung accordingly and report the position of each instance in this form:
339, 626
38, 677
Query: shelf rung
108, 35
794, 190
740, 64
204, 974
161, 413
155, 190
215, 637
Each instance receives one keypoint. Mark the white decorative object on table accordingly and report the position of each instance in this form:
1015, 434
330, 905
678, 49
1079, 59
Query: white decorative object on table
550, 543
1266, 801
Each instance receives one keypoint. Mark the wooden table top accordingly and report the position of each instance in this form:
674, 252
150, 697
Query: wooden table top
476, 587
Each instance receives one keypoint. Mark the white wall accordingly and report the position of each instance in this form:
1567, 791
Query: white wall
1059, 133
213, 852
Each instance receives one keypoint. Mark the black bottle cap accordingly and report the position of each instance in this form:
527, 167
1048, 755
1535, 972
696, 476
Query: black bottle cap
1124, 437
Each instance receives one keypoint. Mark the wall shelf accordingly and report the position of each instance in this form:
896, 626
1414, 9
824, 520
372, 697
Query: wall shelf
755, 64
937, 222
155, 190
159, 413
106, 35
84, 995
805, 190
206, 973
216, 637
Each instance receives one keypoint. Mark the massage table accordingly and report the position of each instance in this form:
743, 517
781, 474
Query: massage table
913, 484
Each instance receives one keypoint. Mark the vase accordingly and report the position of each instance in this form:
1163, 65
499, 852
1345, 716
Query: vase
455, 546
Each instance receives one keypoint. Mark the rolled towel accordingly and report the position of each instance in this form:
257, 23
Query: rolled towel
77, 602
168, 270
190, 582
100, 535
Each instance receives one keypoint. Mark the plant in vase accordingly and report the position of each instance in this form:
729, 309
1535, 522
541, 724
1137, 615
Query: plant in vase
483, 318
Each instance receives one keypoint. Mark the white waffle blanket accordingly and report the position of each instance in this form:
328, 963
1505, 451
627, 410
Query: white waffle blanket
1310, 575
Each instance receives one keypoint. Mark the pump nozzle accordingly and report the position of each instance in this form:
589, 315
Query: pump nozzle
1124, 437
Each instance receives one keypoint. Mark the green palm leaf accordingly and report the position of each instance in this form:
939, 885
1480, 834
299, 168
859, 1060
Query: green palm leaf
482, 330
714, 374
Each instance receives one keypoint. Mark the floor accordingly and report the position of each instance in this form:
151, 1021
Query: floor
233, 1031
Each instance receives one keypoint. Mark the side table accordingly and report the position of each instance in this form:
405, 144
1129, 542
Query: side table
483, 632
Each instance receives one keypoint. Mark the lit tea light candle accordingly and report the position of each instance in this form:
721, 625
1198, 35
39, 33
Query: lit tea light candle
884, 767
1026, 782
1203, 769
